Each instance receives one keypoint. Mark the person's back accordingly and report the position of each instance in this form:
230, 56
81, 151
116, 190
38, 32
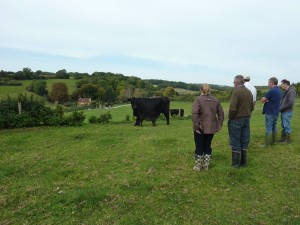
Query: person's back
241, 103
250, 87
241, 106
207, 118
210, 113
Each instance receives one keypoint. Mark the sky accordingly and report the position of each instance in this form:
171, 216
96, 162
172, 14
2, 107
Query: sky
193, 41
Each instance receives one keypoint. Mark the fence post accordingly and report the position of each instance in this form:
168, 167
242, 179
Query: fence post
20, 107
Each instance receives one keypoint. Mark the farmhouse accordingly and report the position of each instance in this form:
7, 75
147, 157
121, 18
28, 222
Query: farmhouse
84, 101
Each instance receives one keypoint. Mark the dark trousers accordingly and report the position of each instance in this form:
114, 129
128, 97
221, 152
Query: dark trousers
239, 133
203, 143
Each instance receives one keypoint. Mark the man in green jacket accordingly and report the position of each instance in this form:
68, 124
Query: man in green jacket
241, 106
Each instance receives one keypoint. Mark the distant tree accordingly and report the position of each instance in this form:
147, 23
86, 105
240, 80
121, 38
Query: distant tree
139, 93
39, 87
169, 92
38, 73
18, 75
89, 91
62, 74
59, 92
82, 82
158, 93
27, 73
123, 96
111, 95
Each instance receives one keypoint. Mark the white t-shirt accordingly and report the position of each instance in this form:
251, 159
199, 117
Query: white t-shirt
252, 89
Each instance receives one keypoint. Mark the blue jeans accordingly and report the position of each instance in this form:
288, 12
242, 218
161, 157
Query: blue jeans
286, 121
271, 122
239, 133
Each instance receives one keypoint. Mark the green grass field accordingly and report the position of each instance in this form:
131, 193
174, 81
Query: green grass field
120, 174
15, 90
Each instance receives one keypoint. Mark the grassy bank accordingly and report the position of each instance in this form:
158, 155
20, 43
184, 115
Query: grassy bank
120, 174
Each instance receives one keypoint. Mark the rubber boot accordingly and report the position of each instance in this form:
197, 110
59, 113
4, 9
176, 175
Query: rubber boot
274, 138
198, 162
206, 162
268, 140
282, 137
236, 159
287, 138
244, 157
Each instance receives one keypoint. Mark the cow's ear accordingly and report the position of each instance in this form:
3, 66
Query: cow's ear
129, 99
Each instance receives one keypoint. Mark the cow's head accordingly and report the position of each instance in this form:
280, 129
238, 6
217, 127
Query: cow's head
134, 105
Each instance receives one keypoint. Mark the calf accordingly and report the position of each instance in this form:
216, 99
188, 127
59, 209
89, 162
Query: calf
176, 112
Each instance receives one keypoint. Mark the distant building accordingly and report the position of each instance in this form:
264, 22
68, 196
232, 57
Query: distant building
84, 101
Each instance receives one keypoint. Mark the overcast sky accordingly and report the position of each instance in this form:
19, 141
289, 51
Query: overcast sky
193, 41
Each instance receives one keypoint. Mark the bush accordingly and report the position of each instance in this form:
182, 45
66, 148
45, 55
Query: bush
34, 113
104, 118
93, 119
75, 119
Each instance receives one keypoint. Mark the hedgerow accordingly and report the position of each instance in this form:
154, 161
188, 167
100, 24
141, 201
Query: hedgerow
24, 111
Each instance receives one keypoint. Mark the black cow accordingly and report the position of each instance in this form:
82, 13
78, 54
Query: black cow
176, 112
150, 109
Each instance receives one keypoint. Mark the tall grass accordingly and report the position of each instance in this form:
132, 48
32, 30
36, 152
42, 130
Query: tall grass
120, 174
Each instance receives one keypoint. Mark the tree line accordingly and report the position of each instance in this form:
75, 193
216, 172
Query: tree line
107, 87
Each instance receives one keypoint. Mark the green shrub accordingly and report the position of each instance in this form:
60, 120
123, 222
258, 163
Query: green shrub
75, 119
34, 113
93, 119
104, 118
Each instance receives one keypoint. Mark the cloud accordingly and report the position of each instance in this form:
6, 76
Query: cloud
166, 38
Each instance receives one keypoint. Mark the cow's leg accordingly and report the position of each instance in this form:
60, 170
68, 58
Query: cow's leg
153, 123
167, 117
137, 121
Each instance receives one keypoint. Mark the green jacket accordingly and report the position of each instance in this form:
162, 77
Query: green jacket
241, 103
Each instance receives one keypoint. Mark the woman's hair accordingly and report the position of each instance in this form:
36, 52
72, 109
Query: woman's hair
205, 88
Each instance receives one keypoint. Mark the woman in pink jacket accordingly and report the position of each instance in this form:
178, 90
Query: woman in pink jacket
208, 117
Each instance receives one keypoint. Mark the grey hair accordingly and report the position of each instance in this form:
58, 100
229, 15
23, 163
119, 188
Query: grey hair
239, 79
274, 80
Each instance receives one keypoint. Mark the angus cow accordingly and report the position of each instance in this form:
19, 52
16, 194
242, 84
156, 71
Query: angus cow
176, 112
150, 109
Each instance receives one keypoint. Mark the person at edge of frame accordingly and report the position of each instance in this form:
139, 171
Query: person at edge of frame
286, 110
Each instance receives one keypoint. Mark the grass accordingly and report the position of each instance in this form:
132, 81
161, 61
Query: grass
15, 90
120, 174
